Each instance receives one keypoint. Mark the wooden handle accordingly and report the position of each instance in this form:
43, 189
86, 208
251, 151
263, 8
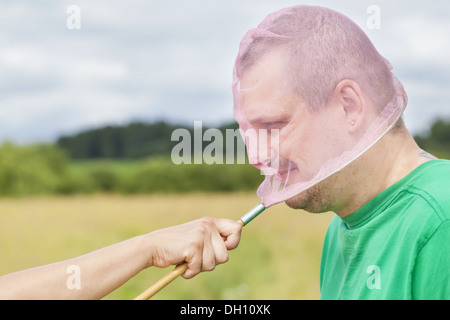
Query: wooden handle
168, 278
164, 281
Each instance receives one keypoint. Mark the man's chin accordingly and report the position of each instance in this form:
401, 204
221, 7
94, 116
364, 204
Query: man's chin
297, 202
306, 201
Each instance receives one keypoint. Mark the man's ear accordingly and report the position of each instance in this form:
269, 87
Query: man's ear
349, 97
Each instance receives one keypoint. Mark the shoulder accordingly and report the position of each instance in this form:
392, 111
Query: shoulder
430, 276
431, 184
426, 200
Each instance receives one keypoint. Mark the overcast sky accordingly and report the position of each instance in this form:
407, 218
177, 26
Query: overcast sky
172, 60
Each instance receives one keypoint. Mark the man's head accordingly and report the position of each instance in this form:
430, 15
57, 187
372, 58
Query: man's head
313, 74
321, 47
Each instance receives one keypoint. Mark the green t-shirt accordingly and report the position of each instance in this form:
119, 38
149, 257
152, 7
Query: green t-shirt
397, 246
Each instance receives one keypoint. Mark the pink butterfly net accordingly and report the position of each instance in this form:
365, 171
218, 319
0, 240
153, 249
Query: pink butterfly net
285, 74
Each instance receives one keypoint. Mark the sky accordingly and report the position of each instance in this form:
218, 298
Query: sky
172, 60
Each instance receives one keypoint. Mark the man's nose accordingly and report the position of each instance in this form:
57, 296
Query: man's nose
263, 156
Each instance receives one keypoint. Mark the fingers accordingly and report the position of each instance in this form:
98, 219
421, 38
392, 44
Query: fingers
207, 247
231, 230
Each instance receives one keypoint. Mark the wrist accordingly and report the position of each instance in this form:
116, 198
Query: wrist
147, 250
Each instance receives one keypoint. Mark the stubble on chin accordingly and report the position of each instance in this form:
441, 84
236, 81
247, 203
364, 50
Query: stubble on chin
317, 199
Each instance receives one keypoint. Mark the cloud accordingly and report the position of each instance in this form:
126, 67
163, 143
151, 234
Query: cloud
172, 60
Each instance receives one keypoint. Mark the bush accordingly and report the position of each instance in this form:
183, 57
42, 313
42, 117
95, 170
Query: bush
437, 140
159, 174
45, 169
33, 169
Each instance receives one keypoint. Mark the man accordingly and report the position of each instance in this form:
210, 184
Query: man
313, 75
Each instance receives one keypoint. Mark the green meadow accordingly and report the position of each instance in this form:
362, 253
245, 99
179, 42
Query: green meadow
278, 256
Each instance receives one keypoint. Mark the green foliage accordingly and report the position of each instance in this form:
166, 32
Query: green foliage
122, 159
45, 169
34, 169
437, 140
159, 174
133, 141
118, 163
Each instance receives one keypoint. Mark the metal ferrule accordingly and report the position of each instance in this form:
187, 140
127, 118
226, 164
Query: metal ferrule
253, 213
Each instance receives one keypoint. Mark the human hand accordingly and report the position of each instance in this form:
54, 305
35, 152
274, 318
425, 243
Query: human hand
199, 243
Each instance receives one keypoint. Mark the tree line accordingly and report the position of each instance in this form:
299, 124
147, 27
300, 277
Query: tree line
139, 140
135, 158
136, 140
437, 139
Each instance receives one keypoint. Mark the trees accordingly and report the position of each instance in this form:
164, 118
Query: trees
133, 141
437, 140
33, 169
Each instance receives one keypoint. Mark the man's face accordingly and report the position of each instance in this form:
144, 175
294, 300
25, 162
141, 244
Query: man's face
307, 140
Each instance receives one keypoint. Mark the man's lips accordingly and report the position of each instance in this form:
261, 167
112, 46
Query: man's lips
283, 175
279, 174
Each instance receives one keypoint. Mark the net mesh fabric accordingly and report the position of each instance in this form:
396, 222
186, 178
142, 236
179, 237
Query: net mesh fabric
285, 73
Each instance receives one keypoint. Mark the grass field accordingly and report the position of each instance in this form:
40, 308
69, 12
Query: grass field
278, 257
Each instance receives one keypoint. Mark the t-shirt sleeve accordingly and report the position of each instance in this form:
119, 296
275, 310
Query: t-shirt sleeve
431, 275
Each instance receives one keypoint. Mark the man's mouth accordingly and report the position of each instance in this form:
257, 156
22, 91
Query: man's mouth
281, 174
284, 174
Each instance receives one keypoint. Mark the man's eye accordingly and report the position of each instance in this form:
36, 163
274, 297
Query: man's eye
274, 124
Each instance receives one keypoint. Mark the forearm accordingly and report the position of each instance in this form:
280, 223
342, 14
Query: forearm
94, 275
90, 276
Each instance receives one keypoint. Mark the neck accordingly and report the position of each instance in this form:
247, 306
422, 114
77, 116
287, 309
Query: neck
387, 162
